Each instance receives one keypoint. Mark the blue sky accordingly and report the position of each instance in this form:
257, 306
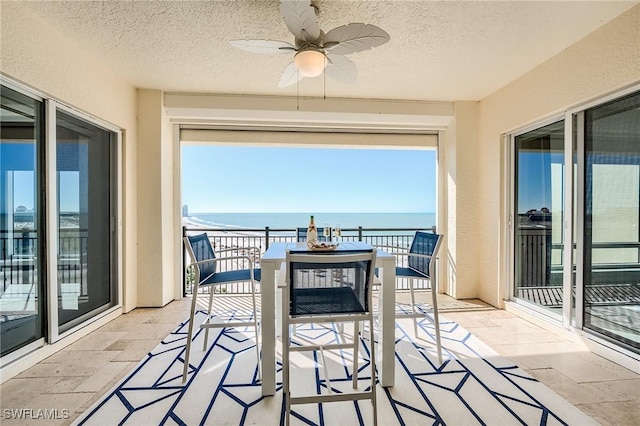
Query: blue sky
225, 179
534, 179
24, 189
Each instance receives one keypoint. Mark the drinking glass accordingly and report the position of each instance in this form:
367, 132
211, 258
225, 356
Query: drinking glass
337, 232
326, 232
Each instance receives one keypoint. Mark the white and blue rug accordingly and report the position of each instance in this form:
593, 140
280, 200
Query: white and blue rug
472, 386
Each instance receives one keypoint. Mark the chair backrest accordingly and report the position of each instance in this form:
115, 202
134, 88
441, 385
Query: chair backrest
330, 282
301, 235
200, 249
425, 243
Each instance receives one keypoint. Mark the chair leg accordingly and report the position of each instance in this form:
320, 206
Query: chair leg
413, 308
256, 327
206, 330
286, 392
286, 341
373, 373
356, 347
436, 320
187, 352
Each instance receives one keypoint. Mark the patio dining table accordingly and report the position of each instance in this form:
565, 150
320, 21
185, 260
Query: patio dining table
271, 263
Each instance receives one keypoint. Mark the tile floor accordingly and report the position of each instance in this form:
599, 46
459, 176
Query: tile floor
74, 378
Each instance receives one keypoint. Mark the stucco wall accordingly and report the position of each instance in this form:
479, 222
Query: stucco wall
155, 201
461, 168
605, 60
36, 54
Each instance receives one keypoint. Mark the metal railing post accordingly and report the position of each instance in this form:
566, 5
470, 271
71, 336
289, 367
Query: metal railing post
266, 237
184, 271
25, 257
359, 233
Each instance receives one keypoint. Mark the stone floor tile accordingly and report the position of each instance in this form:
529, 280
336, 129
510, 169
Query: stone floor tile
125, 324
18, 391
67, 384
617, 372
58, 370
614, 413
579, 369
154, 332
98, 340
104, 376
586, 393
69, 356
131, 350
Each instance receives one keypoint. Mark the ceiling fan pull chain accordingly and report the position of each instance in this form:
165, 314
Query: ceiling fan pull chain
324, 80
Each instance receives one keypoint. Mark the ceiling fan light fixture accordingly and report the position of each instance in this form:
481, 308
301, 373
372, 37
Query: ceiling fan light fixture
316, 51
310, 62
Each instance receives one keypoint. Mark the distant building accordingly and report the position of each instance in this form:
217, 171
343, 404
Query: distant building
185, 210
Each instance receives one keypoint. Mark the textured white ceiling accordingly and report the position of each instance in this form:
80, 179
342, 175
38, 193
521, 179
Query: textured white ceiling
452, 50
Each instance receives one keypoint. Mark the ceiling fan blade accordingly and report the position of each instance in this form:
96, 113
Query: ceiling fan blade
300, 17
268, 47
289, 76
354, 37
341, 68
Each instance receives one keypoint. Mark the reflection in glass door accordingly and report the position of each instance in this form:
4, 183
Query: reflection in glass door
21, 277
86, 244
612, 220
539, 171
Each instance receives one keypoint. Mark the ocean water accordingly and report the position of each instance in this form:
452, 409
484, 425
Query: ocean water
300, 220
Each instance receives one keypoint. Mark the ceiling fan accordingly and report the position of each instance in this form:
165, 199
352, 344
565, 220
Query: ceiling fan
314, 51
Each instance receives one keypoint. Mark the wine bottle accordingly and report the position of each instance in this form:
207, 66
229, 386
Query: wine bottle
312, 232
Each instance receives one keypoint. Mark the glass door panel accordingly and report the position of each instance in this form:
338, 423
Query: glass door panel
539, 175
612, 220
86, 282
21, 244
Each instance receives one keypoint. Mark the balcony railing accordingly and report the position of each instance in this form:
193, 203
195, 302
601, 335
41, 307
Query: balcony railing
225, 238
19, 257
539, 261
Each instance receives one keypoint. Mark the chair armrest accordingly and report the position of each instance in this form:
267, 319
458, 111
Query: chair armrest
393, 249
425, 256
218, 259
256, 249
253, 251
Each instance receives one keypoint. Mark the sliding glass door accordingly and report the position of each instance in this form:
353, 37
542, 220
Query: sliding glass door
539, 171
21, 231
605, 224
611, 291
84, 158
58, 216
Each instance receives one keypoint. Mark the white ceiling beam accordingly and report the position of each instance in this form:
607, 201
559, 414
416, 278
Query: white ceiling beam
304, 112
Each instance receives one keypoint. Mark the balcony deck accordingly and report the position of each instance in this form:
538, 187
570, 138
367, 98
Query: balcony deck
79, 375
614, 294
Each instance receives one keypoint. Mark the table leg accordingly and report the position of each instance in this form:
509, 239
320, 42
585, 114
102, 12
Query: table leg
387, 309
268, 327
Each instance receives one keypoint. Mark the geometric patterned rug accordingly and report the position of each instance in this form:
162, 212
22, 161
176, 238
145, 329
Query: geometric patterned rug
472, 386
